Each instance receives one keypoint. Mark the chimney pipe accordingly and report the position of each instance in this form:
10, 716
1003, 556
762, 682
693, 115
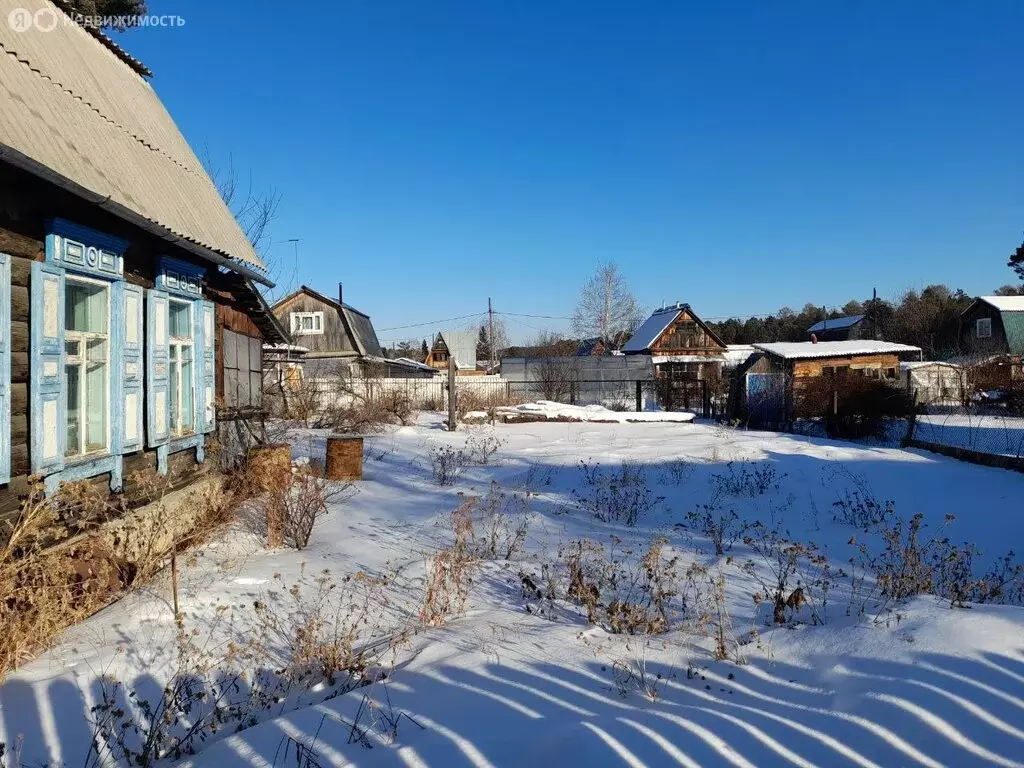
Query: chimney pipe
341, 294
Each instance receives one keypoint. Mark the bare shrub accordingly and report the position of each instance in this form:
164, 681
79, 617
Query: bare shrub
676, 471
902, 569
620, 496
862, 511
298, 644
747, 479
783, 587
588, 574
643, 606
449, 573
446, 464
303, 502
498, 524
721, 526
482, 444
851, 406
631, 674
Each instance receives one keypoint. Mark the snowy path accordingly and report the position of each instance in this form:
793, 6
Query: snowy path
500, 686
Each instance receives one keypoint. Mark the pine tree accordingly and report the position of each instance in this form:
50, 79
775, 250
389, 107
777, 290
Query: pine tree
1016, 262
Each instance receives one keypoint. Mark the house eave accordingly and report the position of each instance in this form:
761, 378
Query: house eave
25, 163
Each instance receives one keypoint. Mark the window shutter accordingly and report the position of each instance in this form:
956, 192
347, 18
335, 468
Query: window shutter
48, 399
5, 367
207, 400
131, 395
157, 368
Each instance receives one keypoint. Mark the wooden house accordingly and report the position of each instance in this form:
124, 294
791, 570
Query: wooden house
331, 332
850, 328
457, 345
130, 323
774, 376
688, 357
992, 337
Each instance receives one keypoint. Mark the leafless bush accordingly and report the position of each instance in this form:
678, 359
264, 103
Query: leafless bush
862, 511
589, 572
721, 526
449, 573
643, 605
747, 478
783, 587
446, 463
297, 643
615, 496
497, 524
303, 502
482, 444
676, 471
851, 406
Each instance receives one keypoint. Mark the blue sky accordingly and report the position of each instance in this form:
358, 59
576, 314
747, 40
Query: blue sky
737, 156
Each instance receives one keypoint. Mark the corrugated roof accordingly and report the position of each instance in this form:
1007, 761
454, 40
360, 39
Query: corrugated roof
835, 323
651, 329
461, 346
806, 349
1013, 324
73, 107
1005, 303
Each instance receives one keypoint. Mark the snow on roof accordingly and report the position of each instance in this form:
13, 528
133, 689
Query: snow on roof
911, 365
659, 359
1005, 303
835, 323
652, 328
805, 349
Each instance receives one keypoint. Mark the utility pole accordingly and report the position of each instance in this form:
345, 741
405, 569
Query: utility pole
490, 338
874, 312
452, 411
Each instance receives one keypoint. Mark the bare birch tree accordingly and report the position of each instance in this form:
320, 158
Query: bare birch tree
606, 309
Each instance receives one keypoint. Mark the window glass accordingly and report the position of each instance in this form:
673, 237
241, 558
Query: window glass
180, 314
87, 366
85, 307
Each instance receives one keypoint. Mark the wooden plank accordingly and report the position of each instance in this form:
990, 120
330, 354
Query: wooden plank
19, 337
21, 269
19, 367
19, 398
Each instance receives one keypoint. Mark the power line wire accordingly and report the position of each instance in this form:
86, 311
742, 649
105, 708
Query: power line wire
431, 322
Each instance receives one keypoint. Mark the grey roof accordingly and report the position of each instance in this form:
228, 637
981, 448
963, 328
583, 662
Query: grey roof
461, 346
801, 350
79, 116
651, 329
835, 323
363, 334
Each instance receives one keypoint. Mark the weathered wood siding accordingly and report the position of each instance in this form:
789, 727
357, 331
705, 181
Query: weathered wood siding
26, 203
335, 337
686, 336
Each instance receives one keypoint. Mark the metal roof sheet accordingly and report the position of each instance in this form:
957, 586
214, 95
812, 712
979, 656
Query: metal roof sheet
74, 108
835, 323
651, 329
799, 350
462, 347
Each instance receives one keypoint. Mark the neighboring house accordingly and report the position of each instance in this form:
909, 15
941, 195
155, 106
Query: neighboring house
993, 325
457, 345
332, 332
773, 376
681, 346
992, 337
129, 315
843, 328
597, 347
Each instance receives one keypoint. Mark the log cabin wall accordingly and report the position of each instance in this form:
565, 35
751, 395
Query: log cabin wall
26, 204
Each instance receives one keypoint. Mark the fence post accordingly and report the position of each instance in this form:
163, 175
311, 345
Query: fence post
639, 395
451, 394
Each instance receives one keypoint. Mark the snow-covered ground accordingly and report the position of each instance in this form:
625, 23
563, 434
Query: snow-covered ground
985, 433
503, 685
